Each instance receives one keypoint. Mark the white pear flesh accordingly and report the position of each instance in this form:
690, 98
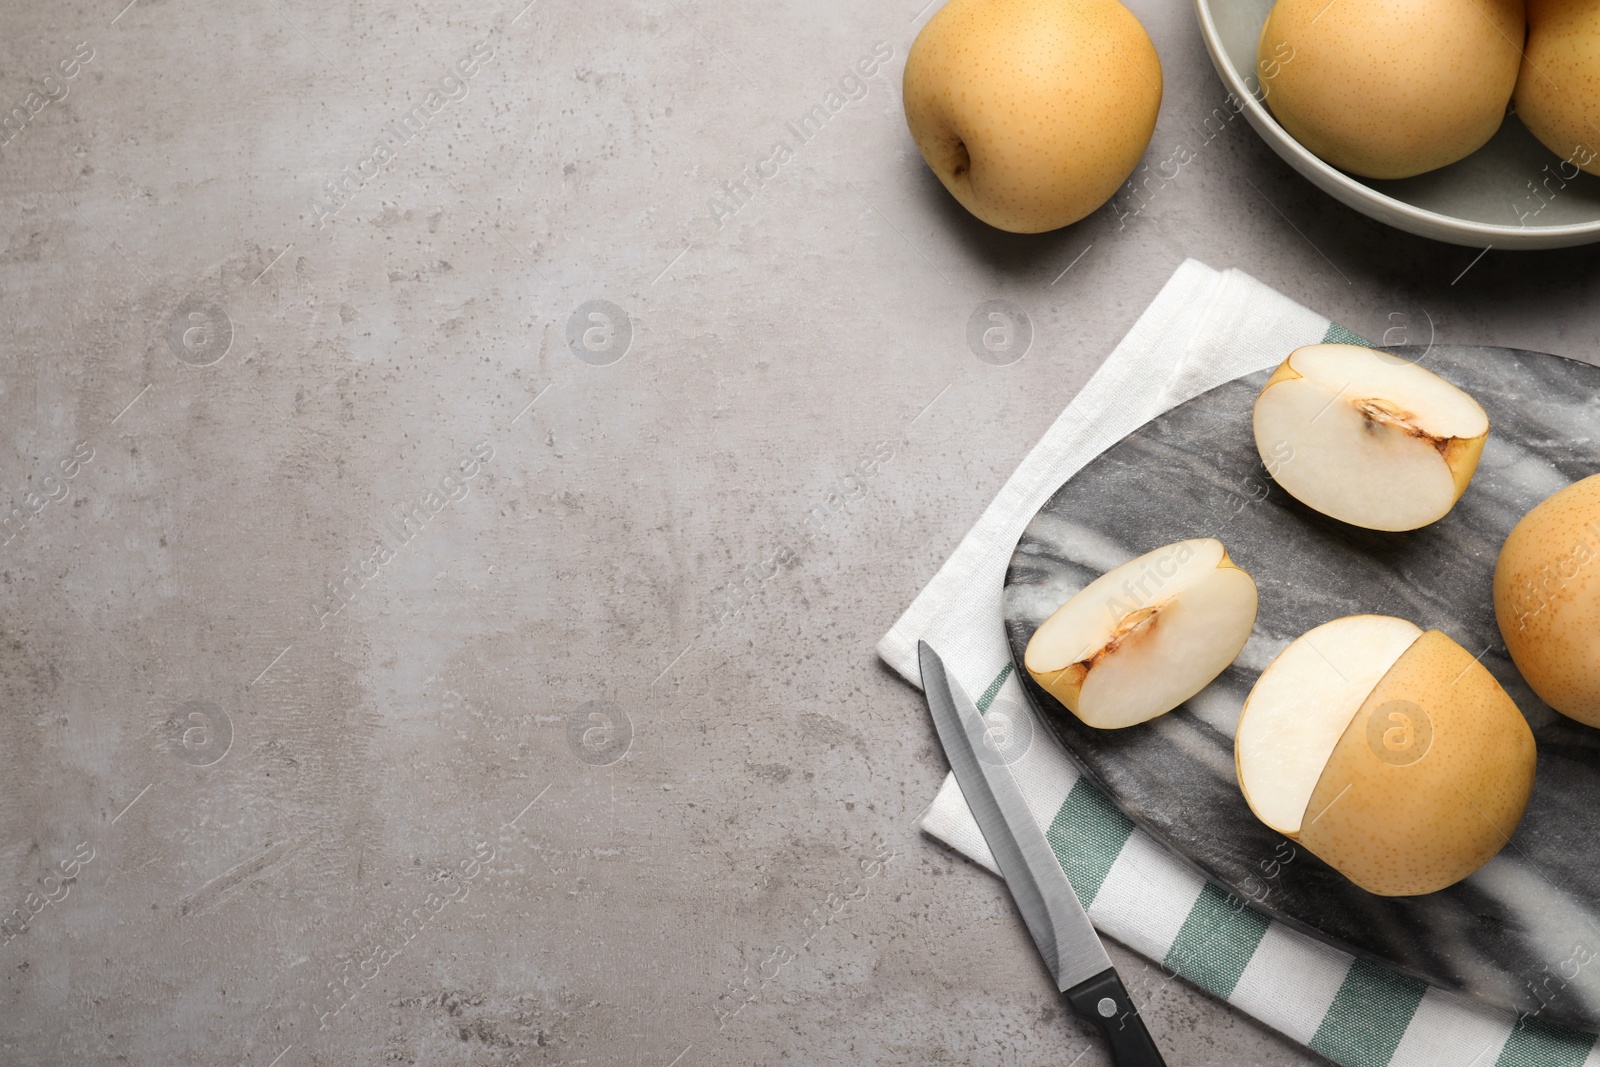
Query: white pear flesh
1303, 703
1368, 438
1145, 636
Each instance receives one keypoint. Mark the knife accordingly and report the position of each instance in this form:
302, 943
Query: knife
1060, 928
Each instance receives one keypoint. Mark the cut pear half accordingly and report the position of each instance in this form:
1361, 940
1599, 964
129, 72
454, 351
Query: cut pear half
1146, 636
1390, 753
1303, 703
1368, 438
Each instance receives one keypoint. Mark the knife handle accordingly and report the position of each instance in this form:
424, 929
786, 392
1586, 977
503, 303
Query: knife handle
1103, 1001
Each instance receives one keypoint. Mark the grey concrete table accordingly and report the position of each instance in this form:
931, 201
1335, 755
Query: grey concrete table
459, 460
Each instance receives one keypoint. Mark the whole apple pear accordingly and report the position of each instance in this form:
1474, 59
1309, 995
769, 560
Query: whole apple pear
1391, 88
1556, 97
1032, 112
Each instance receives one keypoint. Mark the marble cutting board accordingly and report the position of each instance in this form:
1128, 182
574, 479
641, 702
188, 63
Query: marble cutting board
1522, 933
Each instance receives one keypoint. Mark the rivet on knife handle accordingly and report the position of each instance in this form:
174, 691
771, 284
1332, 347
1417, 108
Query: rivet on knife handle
1103, 1001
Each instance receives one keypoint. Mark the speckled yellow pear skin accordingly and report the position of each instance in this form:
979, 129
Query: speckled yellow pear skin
1391, 88
1558, 88
1032, 113
1547, 599
1406, 829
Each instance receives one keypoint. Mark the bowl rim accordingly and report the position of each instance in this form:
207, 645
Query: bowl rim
1363, 197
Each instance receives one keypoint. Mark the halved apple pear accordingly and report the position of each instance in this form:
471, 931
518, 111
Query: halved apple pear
1146, 636
1390, 753
1368, 438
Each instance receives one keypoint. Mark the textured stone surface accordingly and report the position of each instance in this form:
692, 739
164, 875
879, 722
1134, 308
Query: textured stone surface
639, 537
1195, 472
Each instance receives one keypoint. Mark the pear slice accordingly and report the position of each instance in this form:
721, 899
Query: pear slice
1146, 636
1390, 753
1368, 438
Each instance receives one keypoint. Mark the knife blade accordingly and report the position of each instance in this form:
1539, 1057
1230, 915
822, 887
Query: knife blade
1050, 908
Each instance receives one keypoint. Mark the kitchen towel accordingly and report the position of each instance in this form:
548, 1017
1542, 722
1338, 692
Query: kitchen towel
1204, 328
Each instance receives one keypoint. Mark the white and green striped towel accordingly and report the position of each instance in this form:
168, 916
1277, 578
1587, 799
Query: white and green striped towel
1204, 328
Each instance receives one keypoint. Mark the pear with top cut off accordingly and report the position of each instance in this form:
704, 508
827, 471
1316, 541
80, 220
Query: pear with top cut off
1391, 754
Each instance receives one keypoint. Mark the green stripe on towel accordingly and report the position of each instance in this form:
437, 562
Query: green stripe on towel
1087, 835
1368, 1016
994, 689
1536, 1043
1216, 941
1338, 335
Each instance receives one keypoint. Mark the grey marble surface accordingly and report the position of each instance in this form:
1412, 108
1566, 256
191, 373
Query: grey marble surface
682, 533
1507, 934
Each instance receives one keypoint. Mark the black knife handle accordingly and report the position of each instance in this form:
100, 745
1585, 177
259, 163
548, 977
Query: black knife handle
1101, 1000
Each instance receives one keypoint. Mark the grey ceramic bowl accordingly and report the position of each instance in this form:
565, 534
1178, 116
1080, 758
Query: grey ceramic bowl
1488, 199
